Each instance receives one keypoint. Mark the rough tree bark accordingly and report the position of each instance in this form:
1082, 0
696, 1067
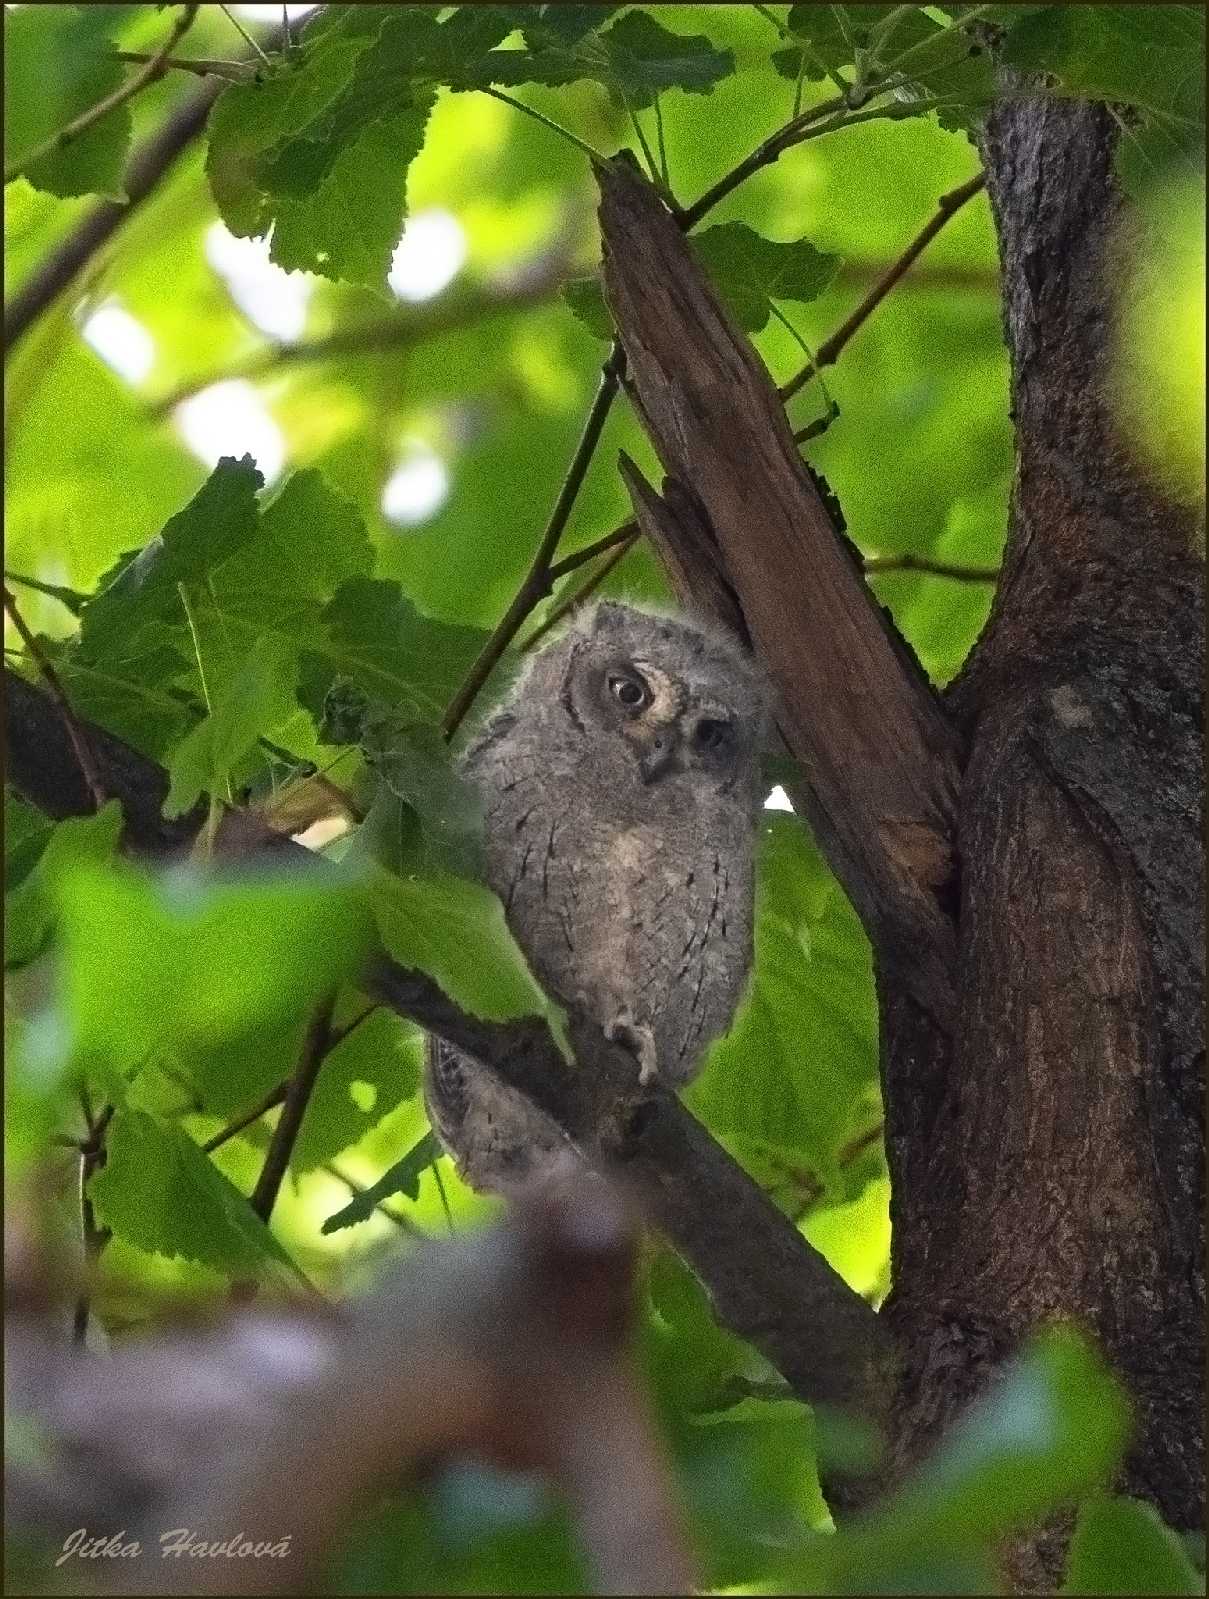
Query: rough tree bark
1044, 1135
1047, 1161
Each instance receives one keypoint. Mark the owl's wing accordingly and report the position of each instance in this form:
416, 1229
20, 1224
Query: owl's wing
446, 1091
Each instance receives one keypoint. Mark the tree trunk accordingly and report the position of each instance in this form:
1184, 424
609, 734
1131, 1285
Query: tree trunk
1047, 1157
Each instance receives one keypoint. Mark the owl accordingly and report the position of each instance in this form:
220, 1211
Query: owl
621, 786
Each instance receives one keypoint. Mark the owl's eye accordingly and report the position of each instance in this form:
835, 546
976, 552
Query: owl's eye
629, 691
712, 734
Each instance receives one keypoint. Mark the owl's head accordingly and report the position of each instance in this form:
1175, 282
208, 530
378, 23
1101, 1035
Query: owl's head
679, 700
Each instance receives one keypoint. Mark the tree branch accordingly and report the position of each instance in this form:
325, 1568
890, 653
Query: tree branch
947, 206
154, 69
855, 709
571, 604
767, 1284
79, 743
402, 330
876, 564
293, 1108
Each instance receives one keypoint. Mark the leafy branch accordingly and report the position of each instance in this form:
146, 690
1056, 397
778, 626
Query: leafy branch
147, 167
766, 1282
153, 69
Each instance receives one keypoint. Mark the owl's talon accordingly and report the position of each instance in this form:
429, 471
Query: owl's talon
638, 1038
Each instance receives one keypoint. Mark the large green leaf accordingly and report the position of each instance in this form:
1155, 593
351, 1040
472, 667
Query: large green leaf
180, 963
751, 272
59, 63
31, 905
375, 636
1122, 1546
454, 930
159, 1191
797, 1073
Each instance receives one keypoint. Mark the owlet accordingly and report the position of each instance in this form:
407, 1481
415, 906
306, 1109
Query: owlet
621, 786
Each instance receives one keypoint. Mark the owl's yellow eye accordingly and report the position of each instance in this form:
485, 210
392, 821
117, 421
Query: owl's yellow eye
629, 691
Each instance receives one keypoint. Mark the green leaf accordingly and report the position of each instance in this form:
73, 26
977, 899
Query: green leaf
751, 272
363, 1079
181, 963
587, 302
455, 931
59, 63
402, 1178
645, 58
290, 98
31, 905
377, 638
1122, 1546
564, 24
236, 591
1049, 1431
436, 819
26, 834
160, 1192
348, 224
256, 701
1146, 57
798, 1071
323, 164
220, 518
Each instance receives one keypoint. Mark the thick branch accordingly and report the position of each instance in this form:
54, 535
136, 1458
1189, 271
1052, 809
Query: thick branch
767, 1284
880, 755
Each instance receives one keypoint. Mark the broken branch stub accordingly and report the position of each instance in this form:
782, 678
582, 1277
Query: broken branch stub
879, 753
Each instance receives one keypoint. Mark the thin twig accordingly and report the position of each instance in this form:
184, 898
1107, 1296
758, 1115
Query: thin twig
573, 602
924, 563
297, 1097
199, 66
579, 558
947, 206
398, 332
243, 33
536, 583
94, 1238
404, 1223
153, 69
55, 688
275, 1096
546, 122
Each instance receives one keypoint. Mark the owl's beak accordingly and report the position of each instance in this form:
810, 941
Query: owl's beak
661, 757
